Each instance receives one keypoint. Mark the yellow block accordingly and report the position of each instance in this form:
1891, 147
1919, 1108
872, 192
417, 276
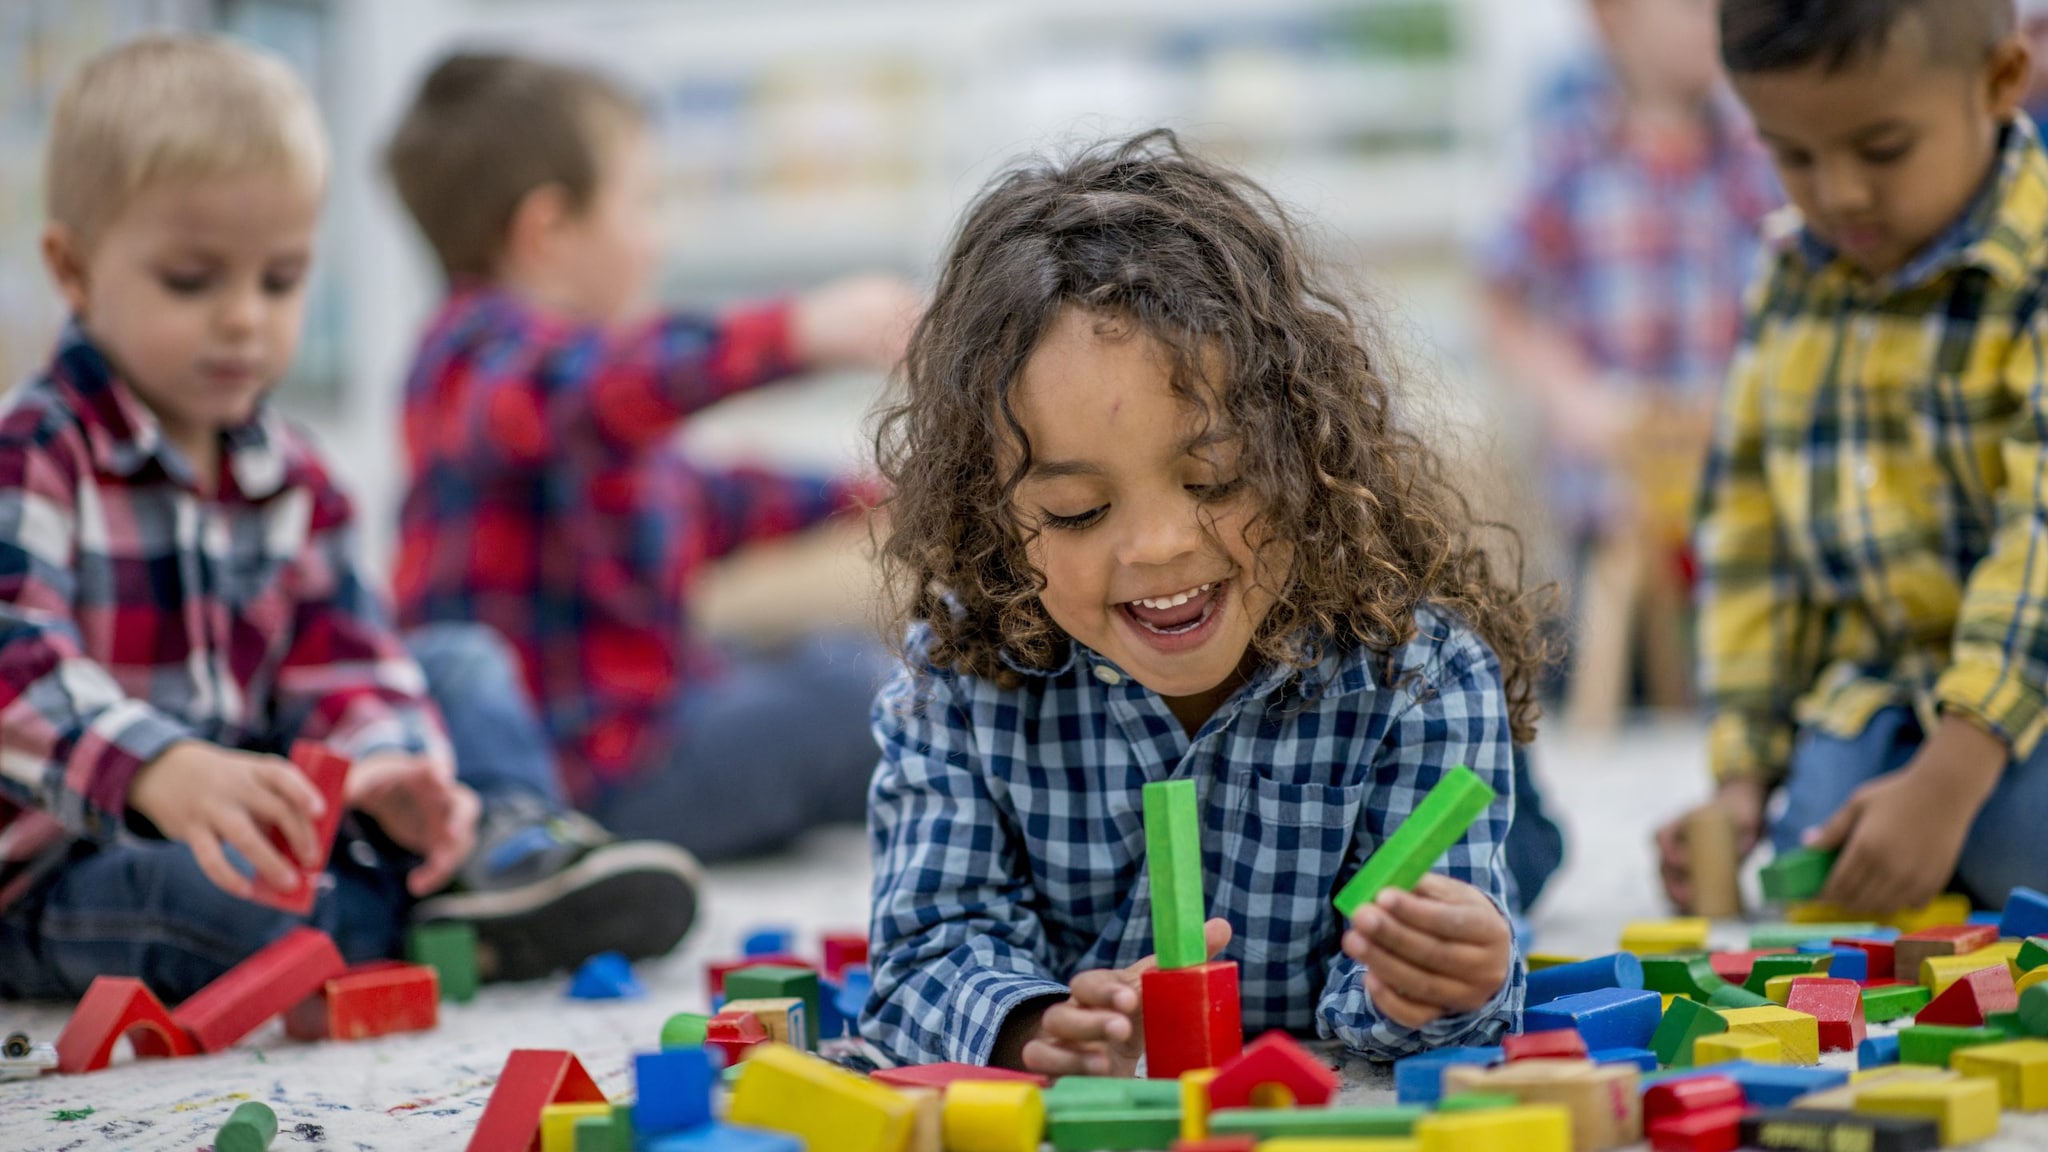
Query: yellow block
1650, 937
1340, 1144
1540, 960
1938, 972
784, 1090
1820, 912
928, 1128
1524, 1128
1668, 998
1869, 1076
1948, 908
1966, 1108
2020, 1067
1194, 1103
1722, 1047
1778, 989
1798, 1033
558, 1124
2037, 976
783, 1017
994, 1116
2006, 952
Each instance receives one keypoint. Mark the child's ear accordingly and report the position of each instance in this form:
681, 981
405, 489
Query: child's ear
536, 220
65, 257
2007, 74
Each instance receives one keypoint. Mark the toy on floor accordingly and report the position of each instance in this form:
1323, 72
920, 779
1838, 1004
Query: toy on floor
1191, 1012
21, 1058
249, 1128
606, 976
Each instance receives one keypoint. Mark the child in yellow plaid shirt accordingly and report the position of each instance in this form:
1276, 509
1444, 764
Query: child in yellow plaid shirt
1873, 537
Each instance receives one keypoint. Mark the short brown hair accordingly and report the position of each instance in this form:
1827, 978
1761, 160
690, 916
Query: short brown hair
488, 128
174, 107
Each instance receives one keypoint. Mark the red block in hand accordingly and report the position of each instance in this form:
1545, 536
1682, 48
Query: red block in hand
373, 999
532, 1080
840, 949
1971, 998
270, 982
1191, 1018
1836, 1004
327, 772
1559, 1044
113, 1007
1714, 1130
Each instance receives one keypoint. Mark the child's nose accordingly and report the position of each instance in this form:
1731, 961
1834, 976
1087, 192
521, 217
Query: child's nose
1161, 534
242, 309
1841, 187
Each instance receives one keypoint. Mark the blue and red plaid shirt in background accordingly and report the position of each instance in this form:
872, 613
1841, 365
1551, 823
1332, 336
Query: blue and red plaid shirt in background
135, 612
1642, 259
548, 501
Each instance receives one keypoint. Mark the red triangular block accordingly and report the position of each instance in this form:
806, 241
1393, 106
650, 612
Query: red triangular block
327, 772
1272, 1061
266, 984
113, 1007
1971, 998
533, 1079
373, 999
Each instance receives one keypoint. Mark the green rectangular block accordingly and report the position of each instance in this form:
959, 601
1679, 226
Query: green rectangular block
1075, 1094
777, 982
594, 1134
1270, 1123
1892, 1001
449, 948
1173, 854
1736, 996
1797, 875
685, 1030
1933, 1043
2033, 954
1127, 1130
2008, 1023
1477, 1102
1684, 1022
1796, 964
1793, 935
1422, 839
1688, 974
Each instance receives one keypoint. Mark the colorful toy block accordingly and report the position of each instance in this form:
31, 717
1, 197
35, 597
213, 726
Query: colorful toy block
1943, 940
1688, 974
685, 1030
1191, 1018
783, 1017
1071, 1094
776, 941
1788, 964
1217, 1144
1604, 1101
1538, 961
716, 971
280, 975
673, 1091
2026, 914
1805, 1129
1619, 970
1881, 1005
327, 772
1603, 1018
1275, 1123
1778, 989
1658, 937
1966, 1108
1844, 963
1525, 1128
374, 999
1737, 1047
1418, 1079
1475, 1101
732, 1034
722, 1138
1881, 956
1683, 1097
1124, 1130
2034, 1010
1787, 936
778, 982
2020, 1067
1458, 798
558, 1123
606, 976
1554, 1044
784, 1090
249, 1128
1837, 1008
1710, 852
449, 948
113, 1007
1934, 1044
1730, 996
1798, 1032
1878, 1050
839, 949
1272, 1066
532, 1081
1733, 967
1194, 1104
1173, 859
944, 1076
927, 1120
1713, 1130
1775, 1086
1682, 1026
2033, 954
993, 1116
1797, 875
1642, 1059
1972, 997
2031, 978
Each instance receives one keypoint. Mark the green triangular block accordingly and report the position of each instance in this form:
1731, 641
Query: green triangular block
1684, 1022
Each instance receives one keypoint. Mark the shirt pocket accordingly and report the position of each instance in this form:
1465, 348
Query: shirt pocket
1284, 846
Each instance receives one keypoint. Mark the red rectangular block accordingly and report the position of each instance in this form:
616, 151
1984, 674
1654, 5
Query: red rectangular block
1734, 966
1191, 1018
1836, 1004
264, 985
840, 949
1557, 1044
1693, 1094
328, 772
1882, 961
374, 999
1947, 940
1715, 1130
732, 1032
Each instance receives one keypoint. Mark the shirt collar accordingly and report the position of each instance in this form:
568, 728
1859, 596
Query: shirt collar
1340, 671
124, 436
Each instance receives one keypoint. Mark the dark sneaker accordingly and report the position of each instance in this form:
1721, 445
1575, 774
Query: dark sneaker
547, 890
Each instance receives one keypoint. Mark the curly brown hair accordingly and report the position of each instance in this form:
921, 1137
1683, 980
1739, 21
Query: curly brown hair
1200, 258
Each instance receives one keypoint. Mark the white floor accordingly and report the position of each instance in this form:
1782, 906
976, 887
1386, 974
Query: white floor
425, 1091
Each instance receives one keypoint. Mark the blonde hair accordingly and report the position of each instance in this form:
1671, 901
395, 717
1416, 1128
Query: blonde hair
169, 108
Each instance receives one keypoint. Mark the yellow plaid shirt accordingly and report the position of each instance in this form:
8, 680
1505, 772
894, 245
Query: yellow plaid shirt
1872, 523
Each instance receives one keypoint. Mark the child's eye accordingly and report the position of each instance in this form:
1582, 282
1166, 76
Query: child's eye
1791, 158
1054, 520
1221, 490
184, 283
1889, 154
282, 283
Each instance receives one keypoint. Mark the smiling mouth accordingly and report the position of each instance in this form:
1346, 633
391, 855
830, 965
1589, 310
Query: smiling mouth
1175, 613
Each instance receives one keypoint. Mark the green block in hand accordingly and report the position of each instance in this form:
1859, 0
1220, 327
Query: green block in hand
1797, 875
1422, 839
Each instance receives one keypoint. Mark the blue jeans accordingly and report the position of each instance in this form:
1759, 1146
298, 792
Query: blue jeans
778, 744
143, 908
2006, 846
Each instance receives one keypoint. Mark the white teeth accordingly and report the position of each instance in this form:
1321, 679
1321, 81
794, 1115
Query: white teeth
1174, 601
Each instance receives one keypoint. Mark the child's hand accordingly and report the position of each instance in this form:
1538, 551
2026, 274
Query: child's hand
205, 796
1099, 1030
858, 322
1744, 802
1901, 834
1440, 950
419, 804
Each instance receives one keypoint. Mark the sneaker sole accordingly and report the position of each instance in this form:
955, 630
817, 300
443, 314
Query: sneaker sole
637, 898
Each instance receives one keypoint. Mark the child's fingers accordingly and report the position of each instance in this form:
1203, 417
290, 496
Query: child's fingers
213, 864
1106, 989
1414, 983
1216, 936
279, 808
457, 838
241, 834
1067, 1022
1049, 1059
1387, 935
1396, 1007
1446, 909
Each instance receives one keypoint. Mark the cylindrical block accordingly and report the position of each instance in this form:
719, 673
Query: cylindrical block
1620, 970
250, 1128
994, 1116
1710, 846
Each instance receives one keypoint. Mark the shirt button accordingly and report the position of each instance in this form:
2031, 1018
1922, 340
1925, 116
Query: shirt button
1108, 675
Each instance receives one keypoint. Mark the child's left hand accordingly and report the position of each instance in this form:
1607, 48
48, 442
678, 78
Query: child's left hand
1441, 950
1099, 1029
419, 804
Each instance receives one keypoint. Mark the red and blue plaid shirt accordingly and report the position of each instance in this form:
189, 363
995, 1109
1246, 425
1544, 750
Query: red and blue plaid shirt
548, 501
136, 612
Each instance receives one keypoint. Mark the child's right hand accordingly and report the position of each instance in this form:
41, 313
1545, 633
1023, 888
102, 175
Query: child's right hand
858, 322
205, 796
1743, 800
1098, 1030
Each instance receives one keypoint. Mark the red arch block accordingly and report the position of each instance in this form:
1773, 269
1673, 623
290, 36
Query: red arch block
1273, 1060
113, 1007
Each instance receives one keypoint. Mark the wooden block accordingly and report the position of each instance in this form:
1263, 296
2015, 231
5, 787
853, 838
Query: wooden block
1618, 970
1418, 1079
2031, 978
1109, 1094
1802, 1130
1173, 858
1656, 937
1604, 1018
1882, 957
1475, 1101
558, 1124
1728, 1046
1796, 875
1695, 1094
1878, 1050
778, 982
1218, 1144
327, 772
2026, 914
1796, 1031
1538, 961
1936, 1043
1194, 1104
1556, 1044
721, 1138
1733, 967
1937, 973
716, 971
1793, 935
1899, 1072
2033, 954
283, 973
1944, 940
1777, 1085
1730, 996
1837, 1008
784, 1090
1966, 1108
1714, 1130
1778, 989
249, 1128
1789, 964
927, 1120
2006, 952
2020, 1067
1528, 1128
994, 1116
1603, 1100
782, 1016
2034, 1010
113, 1007
1273, 1062
1191, 1018
379, 998
944, 1076
840, 949
1439, 821
1973, 996
685, 1030
1273, 1123
1124, 1130
1710, 850
733, 1034
1893, 1001
533, 1080
1682, 1026
672, 1090
449, 948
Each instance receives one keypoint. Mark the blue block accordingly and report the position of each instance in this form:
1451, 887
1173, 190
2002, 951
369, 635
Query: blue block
2026, 914
1877, 1050
1983, 917
722, 1138
1642, 1058
1621, 970
770, 942
1849, 964
674, 1090
1419, 1079
1605, 1018
1880, 934
855, 985
1727, 1068
832, 1023
1777, 1085
717, 1003
606, 976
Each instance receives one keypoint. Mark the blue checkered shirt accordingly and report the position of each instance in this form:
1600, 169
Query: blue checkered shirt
1010, 849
